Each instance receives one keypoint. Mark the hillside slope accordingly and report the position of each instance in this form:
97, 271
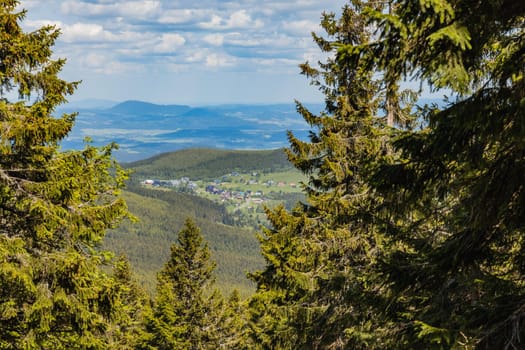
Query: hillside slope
161, 215
145, 108
162, 211
204, 163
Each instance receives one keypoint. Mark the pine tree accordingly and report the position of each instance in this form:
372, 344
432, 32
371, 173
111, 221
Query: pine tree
187, 311
54, 206
321, 288
456, 193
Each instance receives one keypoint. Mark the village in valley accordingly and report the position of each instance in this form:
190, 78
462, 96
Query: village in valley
249, 191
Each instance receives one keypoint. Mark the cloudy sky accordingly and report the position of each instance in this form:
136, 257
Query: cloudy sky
186, 51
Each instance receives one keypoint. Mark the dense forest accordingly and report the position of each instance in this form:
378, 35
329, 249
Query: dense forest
410, 236
161, 214
229, 229
208, 163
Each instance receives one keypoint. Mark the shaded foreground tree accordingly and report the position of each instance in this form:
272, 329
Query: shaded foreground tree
456, 191
54, 206
188, 313
412, 237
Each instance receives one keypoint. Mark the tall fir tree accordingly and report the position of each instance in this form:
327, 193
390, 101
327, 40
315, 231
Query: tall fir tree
411, 237
131, 303
456, 193
188, 313
54, 206
320, 288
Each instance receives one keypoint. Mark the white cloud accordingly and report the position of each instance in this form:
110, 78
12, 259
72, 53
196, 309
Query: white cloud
238, 19
301, 28
214, 23
192, 38
196, 56
218, 60
208, 58
104, 64
78, 33
214, 39
280, 6
276, 62
238, 39
140, 9
86, 32
131, 9
169, 42
73, 8
178, 16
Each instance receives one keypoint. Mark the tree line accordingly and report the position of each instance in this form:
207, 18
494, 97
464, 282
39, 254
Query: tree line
411, 235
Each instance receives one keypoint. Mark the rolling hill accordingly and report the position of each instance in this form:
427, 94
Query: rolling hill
144, 108
162, 212
207, 163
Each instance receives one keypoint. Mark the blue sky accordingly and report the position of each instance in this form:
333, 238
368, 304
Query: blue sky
186, 52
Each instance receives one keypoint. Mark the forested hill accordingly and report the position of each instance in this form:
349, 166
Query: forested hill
228, 225
145, 108
161, 214
204, 163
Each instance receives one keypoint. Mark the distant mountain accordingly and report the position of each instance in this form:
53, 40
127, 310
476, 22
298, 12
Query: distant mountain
145, 108
144, 129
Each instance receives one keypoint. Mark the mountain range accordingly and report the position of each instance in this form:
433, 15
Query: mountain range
143, 129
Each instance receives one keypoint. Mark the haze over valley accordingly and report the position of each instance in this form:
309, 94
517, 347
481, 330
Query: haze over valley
144, 129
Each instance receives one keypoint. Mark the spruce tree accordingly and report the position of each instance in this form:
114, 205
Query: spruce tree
233, 324
320, 288
55, 206
415, 242
412, 237
131, 303
187, 310
456, 193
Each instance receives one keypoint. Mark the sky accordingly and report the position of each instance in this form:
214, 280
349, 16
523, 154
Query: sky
186, 51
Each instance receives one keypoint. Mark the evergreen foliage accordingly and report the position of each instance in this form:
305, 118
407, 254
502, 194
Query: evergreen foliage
412, 233
202, 163
54, 206
132, 303
188, 313
456, 191
319, 289
147, 242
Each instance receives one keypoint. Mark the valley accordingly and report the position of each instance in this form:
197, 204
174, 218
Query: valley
224, 191
244, 195
144, 130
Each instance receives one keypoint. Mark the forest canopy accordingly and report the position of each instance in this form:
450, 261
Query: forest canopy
411, 235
